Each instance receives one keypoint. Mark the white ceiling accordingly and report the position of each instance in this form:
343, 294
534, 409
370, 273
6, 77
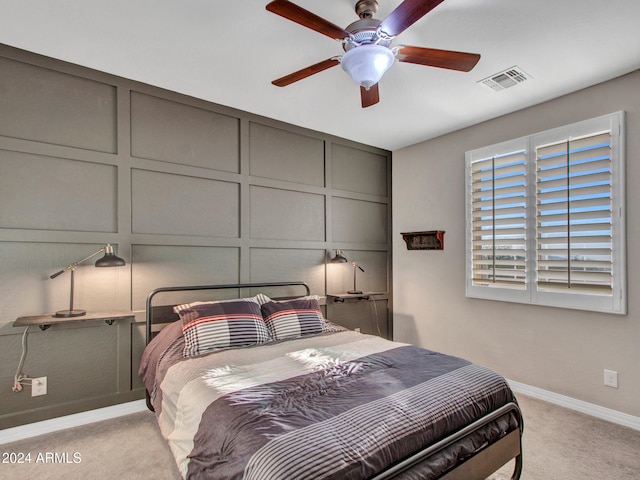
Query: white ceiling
228, 51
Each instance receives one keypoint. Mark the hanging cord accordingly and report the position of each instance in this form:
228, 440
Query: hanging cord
372, 300
20, 378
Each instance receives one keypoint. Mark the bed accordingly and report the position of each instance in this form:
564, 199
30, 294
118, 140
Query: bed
261, 386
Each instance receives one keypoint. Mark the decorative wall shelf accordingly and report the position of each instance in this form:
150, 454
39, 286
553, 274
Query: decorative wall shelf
45, 321
341, 297
427, 240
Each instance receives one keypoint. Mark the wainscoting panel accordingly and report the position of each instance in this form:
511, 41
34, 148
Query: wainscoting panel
138, 338
155, 266
357, 170
285, 264
27, 289
373, 279
175, 132
79, 364
282, 155
287, 215
50, 193
163, 203
47, 106
358, 221
369, 315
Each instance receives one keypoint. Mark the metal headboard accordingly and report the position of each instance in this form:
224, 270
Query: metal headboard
237, 286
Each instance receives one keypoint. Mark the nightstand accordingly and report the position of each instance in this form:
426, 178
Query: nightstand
45, 321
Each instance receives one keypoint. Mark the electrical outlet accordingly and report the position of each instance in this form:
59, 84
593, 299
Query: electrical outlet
356, 330
611, 378
39, 386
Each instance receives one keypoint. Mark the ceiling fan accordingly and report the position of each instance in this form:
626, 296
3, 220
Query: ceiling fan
367, 44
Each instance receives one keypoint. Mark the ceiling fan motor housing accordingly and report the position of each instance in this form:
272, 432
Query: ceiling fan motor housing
364, 32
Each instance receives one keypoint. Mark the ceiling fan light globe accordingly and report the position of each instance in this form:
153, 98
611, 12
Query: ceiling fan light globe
366, 64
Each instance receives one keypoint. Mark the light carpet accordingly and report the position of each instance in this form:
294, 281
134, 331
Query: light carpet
558, 444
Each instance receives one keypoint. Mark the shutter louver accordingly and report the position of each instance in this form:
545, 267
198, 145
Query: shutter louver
498, 224
574, 216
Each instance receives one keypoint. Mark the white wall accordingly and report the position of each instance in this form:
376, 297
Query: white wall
559, 350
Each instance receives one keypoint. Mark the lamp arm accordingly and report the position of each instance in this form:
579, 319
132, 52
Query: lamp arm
75, 264
356, 265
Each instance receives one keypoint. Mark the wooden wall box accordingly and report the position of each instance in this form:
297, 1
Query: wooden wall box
428, 240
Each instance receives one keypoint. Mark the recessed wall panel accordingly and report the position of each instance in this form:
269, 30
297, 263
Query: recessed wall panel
50, 193
284, 264
155, 266
359, 171
52, 107
164, 203
286, 215
174, 132
78, 363
370, 316
359, 221
287, 156
374, 278
138, 343
27, 289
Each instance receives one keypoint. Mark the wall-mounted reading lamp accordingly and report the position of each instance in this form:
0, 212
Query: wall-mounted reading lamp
108, 260
340, 258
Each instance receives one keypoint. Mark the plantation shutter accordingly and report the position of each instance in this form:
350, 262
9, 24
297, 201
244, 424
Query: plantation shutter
498, 221
574, 215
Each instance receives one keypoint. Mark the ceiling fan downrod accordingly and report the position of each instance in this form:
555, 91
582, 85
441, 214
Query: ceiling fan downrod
366, 8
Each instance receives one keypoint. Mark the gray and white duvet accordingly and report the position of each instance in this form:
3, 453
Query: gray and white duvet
337, 405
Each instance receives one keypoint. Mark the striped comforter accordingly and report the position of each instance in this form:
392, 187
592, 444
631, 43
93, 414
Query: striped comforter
335, 406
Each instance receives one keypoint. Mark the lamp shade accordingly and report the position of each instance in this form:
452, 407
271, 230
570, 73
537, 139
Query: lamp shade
339, 258
366, 64
109, 259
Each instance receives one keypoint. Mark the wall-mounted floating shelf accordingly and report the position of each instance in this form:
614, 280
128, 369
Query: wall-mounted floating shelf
428, 240
45, 321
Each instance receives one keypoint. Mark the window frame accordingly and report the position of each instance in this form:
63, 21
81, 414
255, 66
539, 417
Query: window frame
616, 302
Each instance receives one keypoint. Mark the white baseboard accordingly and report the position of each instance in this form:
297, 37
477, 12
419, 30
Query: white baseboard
597, 411
69, 421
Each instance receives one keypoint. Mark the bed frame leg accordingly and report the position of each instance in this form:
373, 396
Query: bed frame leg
518, 467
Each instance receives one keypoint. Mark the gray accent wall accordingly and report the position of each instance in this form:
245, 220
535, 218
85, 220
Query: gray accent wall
188, 192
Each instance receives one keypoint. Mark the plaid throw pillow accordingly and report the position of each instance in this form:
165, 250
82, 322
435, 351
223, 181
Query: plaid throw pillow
295, 318
214, 325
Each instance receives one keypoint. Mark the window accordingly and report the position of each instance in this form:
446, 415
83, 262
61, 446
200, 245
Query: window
545, 219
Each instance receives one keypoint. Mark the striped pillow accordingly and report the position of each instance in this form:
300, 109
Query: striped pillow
210, 326
295, 318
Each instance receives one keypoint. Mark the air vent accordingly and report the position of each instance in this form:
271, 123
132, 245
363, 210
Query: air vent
509, 78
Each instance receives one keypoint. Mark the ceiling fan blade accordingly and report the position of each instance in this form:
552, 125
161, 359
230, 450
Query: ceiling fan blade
303, 17
406, 14
438, 58
306, 72
369, 96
